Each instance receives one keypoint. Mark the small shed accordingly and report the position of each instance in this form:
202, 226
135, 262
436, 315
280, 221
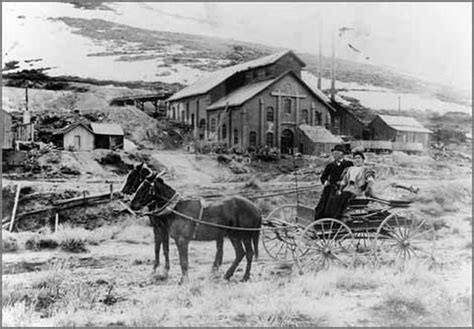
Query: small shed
6, 130
316, 140
107, 136
399, 129
77, 136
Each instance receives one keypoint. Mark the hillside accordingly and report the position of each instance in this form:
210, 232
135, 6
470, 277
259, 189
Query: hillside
111, 48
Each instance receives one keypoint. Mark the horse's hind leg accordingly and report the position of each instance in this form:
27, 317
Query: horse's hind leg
166, 248
249, 256
219, 253
239, 254
182, 244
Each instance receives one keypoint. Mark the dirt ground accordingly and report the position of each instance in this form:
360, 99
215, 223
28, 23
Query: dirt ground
112, 283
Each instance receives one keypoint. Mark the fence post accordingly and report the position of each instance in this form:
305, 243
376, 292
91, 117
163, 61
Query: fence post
15, 205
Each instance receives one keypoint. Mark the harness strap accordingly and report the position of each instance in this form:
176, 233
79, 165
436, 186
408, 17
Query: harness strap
201, 211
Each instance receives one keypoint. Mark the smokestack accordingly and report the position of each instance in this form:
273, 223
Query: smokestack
320, 55
26, 114
333, 67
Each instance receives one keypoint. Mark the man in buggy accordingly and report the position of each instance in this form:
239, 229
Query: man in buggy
342, 182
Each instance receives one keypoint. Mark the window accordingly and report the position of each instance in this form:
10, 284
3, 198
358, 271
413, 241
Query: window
173, 113
319, 118
236, 136
287, 105
213, 125
187, 112
305, 116
267, 71
328, 122
270, 114
255, 74
253, 138
192, 119
224, 131
269, 141
182, 115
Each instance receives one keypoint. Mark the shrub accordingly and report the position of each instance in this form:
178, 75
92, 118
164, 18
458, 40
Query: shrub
9, 243
75, 245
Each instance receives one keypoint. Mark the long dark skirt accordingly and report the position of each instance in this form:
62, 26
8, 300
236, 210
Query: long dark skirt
332, 204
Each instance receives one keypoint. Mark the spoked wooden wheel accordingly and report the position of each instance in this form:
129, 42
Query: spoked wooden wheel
403, 236
281, 232
326, 242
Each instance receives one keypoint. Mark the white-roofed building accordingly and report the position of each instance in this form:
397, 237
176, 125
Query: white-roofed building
399, 129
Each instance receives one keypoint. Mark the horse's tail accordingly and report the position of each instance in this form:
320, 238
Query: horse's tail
255, 238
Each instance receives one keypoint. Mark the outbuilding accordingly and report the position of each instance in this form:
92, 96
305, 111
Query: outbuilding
316, 140
77, 136
399, 129
107, 136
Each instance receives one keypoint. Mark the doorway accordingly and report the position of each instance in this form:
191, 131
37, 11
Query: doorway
77, 142
287, 140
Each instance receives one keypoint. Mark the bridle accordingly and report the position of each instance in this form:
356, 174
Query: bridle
153, 196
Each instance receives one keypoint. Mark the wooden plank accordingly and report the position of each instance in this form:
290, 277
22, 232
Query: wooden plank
15, 205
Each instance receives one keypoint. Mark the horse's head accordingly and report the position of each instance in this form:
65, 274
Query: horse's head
153, 190
136, 176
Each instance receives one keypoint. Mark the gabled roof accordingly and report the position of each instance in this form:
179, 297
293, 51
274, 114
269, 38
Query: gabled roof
402, 123
244, 93
319, 134
107, 129
70, 127
241, 95
213, 79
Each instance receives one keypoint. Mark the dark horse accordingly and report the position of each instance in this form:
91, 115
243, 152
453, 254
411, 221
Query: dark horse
160, 231
160, 226
232, 212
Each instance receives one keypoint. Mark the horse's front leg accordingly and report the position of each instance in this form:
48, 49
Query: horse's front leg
219, 253
157, 235
182, 244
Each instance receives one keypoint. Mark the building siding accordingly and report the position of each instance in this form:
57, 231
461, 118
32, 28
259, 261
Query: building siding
6, 133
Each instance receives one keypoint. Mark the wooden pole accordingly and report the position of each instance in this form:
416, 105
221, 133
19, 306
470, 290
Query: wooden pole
17, 195
56, 222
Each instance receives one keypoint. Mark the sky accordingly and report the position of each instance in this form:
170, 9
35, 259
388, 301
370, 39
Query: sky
427, 40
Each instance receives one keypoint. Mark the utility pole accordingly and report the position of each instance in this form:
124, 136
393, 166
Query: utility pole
320, 54
333, 67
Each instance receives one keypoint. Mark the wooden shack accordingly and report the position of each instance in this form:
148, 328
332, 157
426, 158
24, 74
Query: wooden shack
399, 129
77, 136
316, 140
107, 136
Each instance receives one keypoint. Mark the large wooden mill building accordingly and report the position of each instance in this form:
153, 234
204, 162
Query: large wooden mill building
258, 103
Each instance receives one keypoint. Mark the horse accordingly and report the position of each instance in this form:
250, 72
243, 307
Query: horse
235, 217
160, 227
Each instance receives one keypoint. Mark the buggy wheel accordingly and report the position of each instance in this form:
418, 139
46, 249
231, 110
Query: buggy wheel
403, 236
281, 232
325, 242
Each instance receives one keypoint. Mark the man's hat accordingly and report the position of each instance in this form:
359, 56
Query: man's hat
339, 148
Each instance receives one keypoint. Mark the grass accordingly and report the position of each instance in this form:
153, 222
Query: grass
411, 295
